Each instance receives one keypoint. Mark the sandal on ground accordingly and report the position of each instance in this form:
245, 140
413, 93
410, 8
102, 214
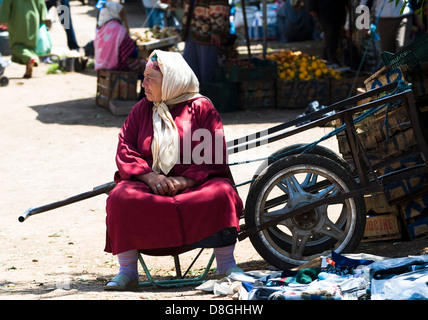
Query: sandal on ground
233, 270
123, 283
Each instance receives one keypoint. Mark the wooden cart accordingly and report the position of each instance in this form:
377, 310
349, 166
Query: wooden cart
305, 200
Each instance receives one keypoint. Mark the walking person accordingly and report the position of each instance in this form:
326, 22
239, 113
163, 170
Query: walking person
205, 27
23, 18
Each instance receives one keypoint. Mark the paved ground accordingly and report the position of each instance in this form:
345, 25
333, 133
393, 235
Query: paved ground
56, 142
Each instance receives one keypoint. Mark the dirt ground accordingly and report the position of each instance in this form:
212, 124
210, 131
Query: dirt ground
56, 142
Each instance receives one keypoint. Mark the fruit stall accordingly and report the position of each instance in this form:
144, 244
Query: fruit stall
284, 79
149, 39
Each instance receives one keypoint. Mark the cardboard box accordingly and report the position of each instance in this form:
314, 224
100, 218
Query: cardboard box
382, 227
377, 203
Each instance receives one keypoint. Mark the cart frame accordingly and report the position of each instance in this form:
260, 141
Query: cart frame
345, 110
368, 181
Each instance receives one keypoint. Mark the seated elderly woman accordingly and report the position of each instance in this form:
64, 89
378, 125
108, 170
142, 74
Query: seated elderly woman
113, 47
173, 181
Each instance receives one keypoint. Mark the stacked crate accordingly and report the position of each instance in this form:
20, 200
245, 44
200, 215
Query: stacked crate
255, 80
382, 222
116, 89
298, 94
415, 215
386, 135
257, 94
388, 138
223, 95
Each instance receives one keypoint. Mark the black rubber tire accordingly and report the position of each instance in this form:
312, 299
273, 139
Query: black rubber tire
273, 244
297, 149
4, 81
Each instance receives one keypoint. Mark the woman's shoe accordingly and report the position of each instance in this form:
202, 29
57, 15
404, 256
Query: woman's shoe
29, 70
121, 282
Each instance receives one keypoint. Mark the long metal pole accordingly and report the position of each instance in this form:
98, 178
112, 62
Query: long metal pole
264, 29
247, 38
105, 188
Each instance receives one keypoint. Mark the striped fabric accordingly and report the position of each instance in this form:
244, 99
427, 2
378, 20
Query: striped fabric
128, 55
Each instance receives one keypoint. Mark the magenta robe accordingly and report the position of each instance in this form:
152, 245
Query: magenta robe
139, 219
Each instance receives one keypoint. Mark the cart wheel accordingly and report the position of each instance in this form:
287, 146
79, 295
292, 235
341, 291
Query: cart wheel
295, 149
290, 183
4, 81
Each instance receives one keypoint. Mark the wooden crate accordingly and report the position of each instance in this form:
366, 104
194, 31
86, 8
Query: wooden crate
115, 85
369, 142
223, 95
386, 134
418, 227
382, 227
386, 122
298, 94
241, 70
377, 204
383, 76
404, 188
387, 137
257, 94
416, 75
415, 214
414, 207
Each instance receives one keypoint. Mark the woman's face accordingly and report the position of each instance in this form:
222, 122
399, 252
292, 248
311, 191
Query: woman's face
152, 84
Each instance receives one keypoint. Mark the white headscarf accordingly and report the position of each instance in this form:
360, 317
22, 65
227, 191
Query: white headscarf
179, 84
110, 11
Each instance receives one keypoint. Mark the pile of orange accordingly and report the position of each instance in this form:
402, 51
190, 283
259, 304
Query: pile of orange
298, 66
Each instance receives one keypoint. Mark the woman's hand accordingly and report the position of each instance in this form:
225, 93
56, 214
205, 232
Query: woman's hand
152, 179
176, 184
165, 186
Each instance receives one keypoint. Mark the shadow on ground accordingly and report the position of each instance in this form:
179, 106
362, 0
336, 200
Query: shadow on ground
77, 112
86, 112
